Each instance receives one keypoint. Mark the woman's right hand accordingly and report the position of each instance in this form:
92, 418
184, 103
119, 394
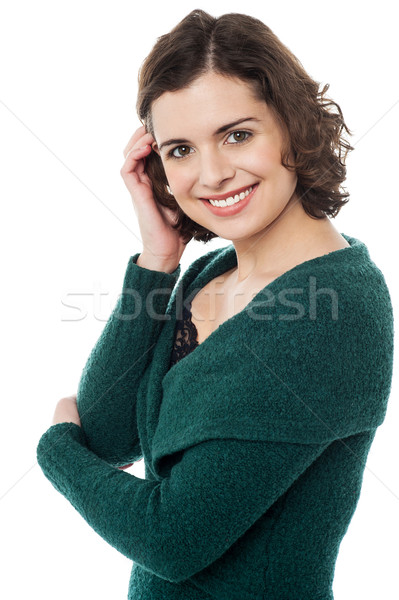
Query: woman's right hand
162, 245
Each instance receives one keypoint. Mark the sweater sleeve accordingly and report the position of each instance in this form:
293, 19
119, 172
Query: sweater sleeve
177, 526
107, 389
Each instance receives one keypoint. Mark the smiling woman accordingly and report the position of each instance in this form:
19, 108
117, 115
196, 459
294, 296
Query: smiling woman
254, 420
312, 141
217, 161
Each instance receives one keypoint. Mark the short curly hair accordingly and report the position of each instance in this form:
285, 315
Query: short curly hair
313, 136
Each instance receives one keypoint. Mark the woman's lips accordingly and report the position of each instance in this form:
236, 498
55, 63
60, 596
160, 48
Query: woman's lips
229, 194
228, 211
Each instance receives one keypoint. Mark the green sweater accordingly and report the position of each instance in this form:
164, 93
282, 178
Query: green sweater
254, 444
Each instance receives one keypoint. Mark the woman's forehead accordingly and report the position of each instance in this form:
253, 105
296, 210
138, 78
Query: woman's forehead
208, 104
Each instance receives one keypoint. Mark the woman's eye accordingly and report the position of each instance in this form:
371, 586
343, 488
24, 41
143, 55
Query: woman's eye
181, 151
238, 136
235, 137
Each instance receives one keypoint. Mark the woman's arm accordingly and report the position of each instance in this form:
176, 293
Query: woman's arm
107, 390
179, 525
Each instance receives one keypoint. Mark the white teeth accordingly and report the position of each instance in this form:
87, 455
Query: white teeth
230, 200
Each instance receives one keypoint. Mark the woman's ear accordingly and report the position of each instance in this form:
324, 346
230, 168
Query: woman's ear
154, 146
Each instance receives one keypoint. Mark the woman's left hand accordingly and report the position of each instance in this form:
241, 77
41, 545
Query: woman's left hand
67, 411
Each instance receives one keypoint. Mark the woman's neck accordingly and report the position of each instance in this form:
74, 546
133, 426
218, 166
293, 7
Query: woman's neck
289, 240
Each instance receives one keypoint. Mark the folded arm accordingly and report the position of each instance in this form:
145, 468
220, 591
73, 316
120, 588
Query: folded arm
107, 390
179, 525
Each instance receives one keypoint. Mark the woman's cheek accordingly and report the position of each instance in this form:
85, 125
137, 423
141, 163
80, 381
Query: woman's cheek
180, 181
260, 161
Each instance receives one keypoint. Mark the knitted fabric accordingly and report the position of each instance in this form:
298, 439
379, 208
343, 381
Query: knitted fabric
254, 443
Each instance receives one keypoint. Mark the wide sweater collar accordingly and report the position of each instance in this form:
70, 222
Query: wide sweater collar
219, 261
281, 369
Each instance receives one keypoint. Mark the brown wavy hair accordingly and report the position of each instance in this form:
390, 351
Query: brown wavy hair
241, 46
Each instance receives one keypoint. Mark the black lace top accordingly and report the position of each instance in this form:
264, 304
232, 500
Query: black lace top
185, 337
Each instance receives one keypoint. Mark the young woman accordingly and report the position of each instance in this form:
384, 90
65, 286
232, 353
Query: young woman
254, 413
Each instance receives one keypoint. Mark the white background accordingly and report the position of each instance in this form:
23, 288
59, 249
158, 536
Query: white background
67, 97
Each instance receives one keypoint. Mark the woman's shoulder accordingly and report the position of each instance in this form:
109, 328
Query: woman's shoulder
345, 265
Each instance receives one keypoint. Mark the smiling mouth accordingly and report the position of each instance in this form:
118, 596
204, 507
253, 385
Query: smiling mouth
229, 200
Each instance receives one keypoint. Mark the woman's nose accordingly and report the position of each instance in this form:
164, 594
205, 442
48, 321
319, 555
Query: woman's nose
215, 168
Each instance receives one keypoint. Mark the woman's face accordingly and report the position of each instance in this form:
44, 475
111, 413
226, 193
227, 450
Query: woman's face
215, 138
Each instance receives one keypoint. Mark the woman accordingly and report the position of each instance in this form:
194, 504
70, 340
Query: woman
254, 413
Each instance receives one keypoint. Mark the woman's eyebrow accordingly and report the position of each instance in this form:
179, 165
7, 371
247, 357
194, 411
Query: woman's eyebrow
221, 129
